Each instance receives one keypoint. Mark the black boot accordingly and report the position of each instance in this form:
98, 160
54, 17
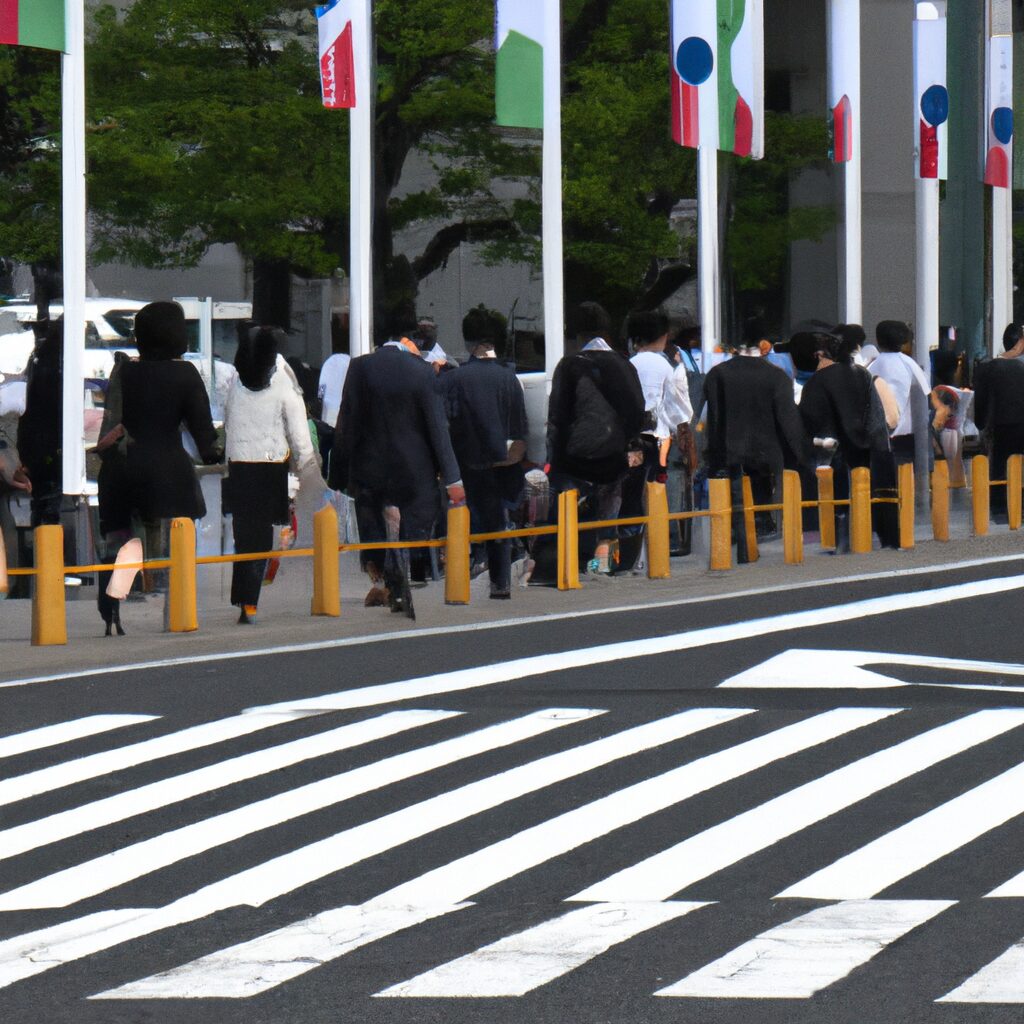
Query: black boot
109, 607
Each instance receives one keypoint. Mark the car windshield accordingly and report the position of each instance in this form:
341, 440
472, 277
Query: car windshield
122, 320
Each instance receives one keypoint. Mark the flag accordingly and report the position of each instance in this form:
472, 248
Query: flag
999, 111
930, 97
717, 75
519, 82
32, 23
337, 60
843, 75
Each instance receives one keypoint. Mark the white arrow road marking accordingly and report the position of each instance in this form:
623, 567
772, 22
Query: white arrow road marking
288, 872
913, 846
1001, 981
545, 664
670, 871
65, 732
803, 956
455, 882
105, 872
45, 780
520, 963
844, 670
99, 813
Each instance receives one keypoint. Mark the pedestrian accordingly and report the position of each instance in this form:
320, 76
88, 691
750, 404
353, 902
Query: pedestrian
845, 419
391, 445
909, 385
40, 429
487, 413
952, 406
753, 429
999, 408
667, 405
595, 417
266, 431
329, 390
160, 394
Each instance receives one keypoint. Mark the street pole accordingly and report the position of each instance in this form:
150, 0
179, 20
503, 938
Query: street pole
361, 148
707, 250
551, 191
74, 243
926, 317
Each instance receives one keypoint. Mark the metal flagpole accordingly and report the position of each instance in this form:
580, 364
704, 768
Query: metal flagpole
74, 242
844, 52
361, 151
999, 77
707, 251
551, 190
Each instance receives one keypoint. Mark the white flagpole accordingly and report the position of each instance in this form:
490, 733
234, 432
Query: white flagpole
844, 31
999, 23
361, 183
551, 190
74, 242
707, 252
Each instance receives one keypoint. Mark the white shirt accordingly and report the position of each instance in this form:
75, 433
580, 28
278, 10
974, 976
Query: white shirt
332, 382
666, 391
901, 373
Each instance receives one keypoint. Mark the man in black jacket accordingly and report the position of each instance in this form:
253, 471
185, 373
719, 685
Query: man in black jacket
753, 429
999, 408
391, 444
595, 417
488, 423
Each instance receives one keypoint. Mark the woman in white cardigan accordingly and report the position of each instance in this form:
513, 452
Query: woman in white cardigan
266, 431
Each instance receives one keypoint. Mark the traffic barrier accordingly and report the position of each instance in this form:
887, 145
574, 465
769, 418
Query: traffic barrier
326, 571
181, 603
940, 501
457, 556
4, 585
905, 503
49, 615
568, 541
792, 518
49, 625
826, 506
750, 521
656, 506
980, 497
860, 510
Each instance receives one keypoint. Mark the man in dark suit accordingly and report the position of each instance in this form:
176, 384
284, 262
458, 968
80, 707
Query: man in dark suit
391, 444
999, 408
488, 421
753, 428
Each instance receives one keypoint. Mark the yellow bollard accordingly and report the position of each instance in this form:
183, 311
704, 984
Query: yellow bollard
979, 494
792, 518
719, 498
49, 614
456, 571
905, 494
826, 506
568, 541
1013, 491
657, 532
940, 501
749, 521
860, 510
326, 574
4, 586
181, 604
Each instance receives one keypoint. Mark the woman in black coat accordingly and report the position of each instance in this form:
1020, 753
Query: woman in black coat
159, 394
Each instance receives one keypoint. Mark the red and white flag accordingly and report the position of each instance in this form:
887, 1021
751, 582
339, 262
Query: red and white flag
337, 54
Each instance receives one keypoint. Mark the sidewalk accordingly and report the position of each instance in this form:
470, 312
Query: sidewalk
284, 618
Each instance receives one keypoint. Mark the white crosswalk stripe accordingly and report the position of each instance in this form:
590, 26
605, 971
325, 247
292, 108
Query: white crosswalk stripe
805, 955
65, 732
511, 956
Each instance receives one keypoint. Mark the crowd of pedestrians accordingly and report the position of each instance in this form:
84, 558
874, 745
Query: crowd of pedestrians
407, 431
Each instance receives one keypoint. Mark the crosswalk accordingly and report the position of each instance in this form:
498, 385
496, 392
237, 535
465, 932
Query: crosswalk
761, 854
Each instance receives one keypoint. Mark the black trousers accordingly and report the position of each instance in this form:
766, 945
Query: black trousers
418, 515
490, 494
259, 500
252, 533
1007, 440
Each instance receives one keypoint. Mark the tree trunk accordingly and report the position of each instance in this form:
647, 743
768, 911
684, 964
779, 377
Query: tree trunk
272, 293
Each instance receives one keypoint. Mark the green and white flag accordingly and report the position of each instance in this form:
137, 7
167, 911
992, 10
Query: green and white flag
519, 86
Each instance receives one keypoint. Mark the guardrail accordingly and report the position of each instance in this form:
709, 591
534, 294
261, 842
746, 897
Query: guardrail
49, 613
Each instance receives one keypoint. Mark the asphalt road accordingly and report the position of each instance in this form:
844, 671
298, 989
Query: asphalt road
568, 821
